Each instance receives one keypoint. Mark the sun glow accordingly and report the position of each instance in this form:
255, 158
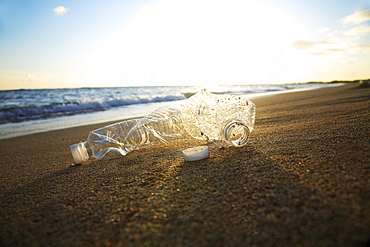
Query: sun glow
188, 42
182, 42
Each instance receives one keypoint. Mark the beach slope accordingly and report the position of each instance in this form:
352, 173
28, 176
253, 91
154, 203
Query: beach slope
302, 180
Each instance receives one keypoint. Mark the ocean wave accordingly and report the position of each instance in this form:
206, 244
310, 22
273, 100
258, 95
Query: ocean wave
11, 113
39, 104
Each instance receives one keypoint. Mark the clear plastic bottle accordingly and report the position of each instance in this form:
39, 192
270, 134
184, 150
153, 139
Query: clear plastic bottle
203, 116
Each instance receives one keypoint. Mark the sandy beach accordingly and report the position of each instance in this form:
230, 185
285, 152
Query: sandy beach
302, 180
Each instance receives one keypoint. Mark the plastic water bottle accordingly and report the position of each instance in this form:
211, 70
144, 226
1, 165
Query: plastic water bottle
204, 116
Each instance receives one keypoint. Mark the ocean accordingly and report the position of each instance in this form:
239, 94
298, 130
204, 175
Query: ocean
29, 111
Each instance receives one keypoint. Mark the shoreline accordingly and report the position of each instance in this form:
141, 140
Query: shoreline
302, 179
12, 130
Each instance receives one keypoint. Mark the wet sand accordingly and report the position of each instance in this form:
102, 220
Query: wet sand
302, 180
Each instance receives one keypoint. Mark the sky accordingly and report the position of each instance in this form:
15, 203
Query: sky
70, 43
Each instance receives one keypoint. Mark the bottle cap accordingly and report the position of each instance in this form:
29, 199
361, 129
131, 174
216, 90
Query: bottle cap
196, 153
79, 152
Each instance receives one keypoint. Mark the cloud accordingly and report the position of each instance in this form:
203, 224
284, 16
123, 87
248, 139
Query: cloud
318, 48
326, 51
345, 42
60, 10
359, 30
304, 45
357, 17
362, 48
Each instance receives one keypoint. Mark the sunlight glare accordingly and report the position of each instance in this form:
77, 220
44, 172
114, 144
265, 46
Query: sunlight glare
200, 42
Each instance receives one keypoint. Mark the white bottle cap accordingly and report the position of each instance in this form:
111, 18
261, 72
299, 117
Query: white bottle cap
79, 152
196, 153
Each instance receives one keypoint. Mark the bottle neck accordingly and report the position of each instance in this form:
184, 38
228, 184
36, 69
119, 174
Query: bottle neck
79, 152
88, 148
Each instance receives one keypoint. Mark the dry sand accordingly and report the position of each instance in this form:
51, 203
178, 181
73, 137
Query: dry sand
302, 180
